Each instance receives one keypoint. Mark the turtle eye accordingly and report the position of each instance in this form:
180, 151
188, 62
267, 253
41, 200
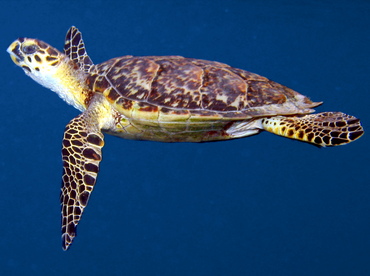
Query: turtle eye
29, 49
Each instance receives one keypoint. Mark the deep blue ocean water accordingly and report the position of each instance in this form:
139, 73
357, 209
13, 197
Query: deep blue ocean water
263, 205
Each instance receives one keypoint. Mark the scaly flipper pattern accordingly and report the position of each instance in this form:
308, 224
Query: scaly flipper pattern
81, 153
74, 48
322, 129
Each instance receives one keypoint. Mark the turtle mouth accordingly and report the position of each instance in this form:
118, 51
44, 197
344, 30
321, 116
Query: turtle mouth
15, 52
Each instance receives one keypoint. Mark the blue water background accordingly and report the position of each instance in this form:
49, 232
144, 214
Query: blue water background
263, 205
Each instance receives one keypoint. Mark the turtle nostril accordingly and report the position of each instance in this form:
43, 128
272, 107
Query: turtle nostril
15, 53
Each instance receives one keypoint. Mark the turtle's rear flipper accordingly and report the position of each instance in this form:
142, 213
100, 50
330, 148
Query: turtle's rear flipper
322, 129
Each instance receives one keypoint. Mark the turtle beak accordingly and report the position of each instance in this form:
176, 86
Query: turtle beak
14, 51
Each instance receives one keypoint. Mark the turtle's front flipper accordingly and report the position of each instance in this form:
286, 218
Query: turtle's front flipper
321, 129
81, 152
74, 48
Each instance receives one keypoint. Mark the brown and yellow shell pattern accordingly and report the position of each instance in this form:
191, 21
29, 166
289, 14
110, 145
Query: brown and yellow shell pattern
185, 94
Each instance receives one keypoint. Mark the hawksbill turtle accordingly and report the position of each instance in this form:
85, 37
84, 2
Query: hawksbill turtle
162, 98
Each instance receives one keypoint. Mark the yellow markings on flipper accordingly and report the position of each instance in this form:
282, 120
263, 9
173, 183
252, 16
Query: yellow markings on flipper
322, 129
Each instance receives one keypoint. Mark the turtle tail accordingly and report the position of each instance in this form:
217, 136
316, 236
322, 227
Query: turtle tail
322, 129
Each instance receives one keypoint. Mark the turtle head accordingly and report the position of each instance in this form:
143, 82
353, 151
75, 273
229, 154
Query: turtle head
35, 57
50, 68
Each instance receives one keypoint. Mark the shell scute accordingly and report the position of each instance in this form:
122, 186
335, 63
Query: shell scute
112, 95
176, 84
132, 77
222, 90
144, 107
206, 89
124, 103
264, 93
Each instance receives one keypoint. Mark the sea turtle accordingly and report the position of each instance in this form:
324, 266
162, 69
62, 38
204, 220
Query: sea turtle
162, 98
